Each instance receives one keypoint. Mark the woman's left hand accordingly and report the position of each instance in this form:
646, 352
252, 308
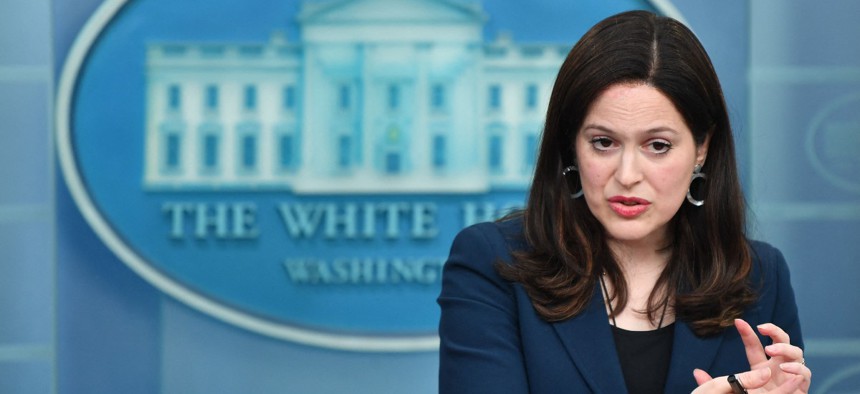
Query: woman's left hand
783, 372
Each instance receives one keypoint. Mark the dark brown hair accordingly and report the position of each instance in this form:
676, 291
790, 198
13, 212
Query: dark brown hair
706, 276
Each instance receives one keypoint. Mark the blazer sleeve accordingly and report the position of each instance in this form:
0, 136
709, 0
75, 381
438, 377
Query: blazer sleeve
779, 292
480, 347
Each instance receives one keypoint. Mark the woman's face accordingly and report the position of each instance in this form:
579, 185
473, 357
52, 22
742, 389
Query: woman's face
635, 156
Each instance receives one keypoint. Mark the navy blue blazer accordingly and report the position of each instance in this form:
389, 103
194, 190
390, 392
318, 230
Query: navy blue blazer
493, 341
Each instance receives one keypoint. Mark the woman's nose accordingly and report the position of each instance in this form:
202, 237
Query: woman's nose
628, 172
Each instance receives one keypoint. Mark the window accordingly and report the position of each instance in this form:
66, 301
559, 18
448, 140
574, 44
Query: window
251, 51
212, 51
249, 151
286, 147
393, 97
495, 97
531, 96
392, 162
174, 50
495, 153
210, 151
173, 146
174, 98
438, 151
289, 98
212, 97
171, 142
531, 150
250, 102
344, 146
344, 94
437, 97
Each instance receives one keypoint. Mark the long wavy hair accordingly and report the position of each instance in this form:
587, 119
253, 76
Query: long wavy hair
709, 264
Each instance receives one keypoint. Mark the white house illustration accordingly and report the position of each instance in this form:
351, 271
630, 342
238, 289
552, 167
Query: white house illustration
376, 96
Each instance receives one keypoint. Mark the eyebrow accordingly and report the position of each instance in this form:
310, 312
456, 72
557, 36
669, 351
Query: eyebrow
610, 131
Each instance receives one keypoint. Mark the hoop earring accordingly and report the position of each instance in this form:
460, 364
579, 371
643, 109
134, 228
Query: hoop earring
697, 174
567, 170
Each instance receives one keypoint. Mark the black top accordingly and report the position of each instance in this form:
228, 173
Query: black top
644, 357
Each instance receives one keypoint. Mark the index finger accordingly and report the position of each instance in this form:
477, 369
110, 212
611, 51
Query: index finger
752, 345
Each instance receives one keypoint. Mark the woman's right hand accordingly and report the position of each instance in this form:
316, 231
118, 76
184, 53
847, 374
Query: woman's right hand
779, 368
750, 380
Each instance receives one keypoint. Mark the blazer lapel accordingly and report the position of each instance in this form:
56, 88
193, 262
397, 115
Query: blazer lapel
689, 352
588, 340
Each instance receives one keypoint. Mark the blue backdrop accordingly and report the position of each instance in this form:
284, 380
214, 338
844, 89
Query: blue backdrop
74, 319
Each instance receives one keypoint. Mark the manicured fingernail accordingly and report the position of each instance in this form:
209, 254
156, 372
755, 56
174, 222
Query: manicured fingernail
764, 373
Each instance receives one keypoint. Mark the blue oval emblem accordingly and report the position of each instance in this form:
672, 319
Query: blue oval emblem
302, 185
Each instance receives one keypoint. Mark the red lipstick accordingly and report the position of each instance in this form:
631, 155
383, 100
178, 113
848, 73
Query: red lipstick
628, 207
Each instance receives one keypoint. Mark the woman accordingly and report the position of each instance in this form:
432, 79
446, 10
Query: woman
629, 269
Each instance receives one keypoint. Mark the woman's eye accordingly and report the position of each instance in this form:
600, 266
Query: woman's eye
659, 146
601, 143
